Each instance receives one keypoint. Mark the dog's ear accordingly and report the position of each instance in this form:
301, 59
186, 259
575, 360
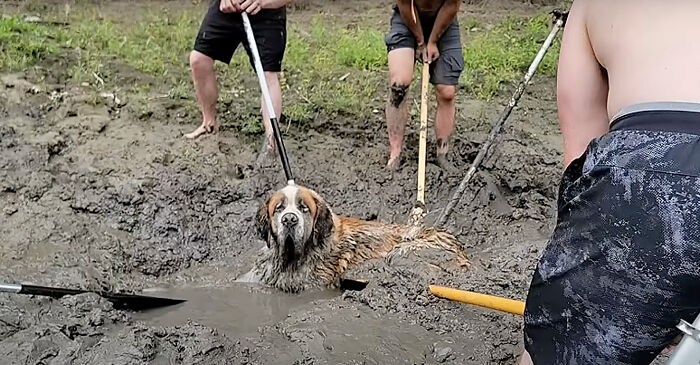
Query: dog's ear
262, 223
323, 223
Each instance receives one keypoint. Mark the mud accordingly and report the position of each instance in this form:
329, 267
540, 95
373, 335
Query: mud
106, 194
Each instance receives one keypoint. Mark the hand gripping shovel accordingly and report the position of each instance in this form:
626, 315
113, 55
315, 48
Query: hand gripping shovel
120, 301
266, 96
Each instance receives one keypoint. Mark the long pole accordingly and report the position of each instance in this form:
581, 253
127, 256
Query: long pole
559, 23
418, 211
266, 96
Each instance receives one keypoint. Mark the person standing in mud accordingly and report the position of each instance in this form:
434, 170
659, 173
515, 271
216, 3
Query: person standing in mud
622, 267
427, 30
219, 35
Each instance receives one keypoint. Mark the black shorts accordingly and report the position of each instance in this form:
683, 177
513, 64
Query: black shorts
623, 265
221, 33
447, 69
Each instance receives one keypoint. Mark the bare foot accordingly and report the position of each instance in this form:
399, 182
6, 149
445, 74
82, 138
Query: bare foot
202, 130
268, 152
445, 164
270, 147
393, 164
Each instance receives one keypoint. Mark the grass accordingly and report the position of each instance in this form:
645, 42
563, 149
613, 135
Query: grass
502, 54
23, 43
327, 68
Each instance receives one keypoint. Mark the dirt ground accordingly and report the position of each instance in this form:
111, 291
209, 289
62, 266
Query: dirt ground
106, 196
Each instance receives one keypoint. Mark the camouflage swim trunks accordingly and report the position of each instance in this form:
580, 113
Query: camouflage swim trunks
623, 265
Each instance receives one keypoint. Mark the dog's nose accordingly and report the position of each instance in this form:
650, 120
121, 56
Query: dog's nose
290, 219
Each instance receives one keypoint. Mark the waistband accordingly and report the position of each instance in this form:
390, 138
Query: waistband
675, 117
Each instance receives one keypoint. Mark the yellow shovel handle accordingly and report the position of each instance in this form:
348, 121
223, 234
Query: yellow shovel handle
482, 300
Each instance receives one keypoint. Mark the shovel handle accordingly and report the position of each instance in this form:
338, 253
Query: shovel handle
266, 97
38, 290
10, 288
48, 291
482, 300
121, 301
423, 132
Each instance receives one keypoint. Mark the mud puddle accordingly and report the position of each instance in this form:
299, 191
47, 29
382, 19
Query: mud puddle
315, 323
238, 310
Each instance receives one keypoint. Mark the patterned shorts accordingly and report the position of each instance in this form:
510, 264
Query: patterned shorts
623, 265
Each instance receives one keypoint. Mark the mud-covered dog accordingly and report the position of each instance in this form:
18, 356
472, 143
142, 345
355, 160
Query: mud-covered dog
308, 246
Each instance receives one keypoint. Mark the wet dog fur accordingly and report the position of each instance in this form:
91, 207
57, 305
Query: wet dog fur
308, 246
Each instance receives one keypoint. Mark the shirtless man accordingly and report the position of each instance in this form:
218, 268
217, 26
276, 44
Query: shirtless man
220, 34
434, 38
623, 265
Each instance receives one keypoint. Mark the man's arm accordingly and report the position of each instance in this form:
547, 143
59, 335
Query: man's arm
254, 6
445, 16
582, 87
407, 10
275, 4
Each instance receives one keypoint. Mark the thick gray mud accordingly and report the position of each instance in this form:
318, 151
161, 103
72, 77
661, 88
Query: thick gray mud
101, 197
97, 193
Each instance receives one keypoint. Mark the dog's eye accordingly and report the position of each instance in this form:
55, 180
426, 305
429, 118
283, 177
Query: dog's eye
279, 208
303, 208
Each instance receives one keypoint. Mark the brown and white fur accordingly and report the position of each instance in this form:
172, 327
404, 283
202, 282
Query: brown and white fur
308, 246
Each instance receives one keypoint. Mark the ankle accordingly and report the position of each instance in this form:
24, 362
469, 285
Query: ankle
443, 146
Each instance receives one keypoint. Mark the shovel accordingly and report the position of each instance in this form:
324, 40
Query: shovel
120, 301
266, 96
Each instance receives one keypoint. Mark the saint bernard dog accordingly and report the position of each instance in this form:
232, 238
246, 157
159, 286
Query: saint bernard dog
309, 247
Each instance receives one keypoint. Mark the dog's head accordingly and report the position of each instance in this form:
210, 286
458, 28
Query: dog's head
293, 221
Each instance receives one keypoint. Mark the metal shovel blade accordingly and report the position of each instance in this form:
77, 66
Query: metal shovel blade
121, 301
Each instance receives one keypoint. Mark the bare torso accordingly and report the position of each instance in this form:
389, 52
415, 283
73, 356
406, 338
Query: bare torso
649, 48
428, 8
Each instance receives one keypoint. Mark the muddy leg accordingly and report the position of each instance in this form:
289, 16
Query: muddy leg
205, 87
400, 77
445, 123
273, 85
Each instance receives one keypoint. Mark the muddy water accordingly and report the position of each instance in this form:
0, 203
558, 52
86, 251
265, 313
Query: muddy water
238, 310
333, 334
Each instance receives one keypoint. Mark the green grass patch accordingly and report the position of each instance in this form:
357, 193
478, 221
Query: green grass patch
23, 43
333, 70
503, 54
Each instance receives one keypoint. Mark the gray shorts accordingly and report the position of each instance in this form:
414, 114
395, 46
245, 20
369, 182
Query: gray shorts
446, 69
623, 265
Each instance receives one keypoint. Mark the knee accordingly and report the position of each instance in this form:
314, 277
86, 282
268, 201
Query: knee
397, 94
200, 62
446, 93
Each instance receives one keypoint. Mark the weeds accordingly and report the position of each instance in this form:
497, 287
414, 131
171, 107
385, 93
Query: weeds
22, 43
502, 54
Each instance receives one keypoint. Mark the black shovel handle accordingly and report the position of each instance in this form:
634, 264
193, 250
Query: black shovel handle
121, 301
280, 148
266, 96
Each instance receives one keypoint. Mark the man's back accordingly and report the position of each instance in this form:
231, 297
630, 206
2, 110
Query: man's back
649, 48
